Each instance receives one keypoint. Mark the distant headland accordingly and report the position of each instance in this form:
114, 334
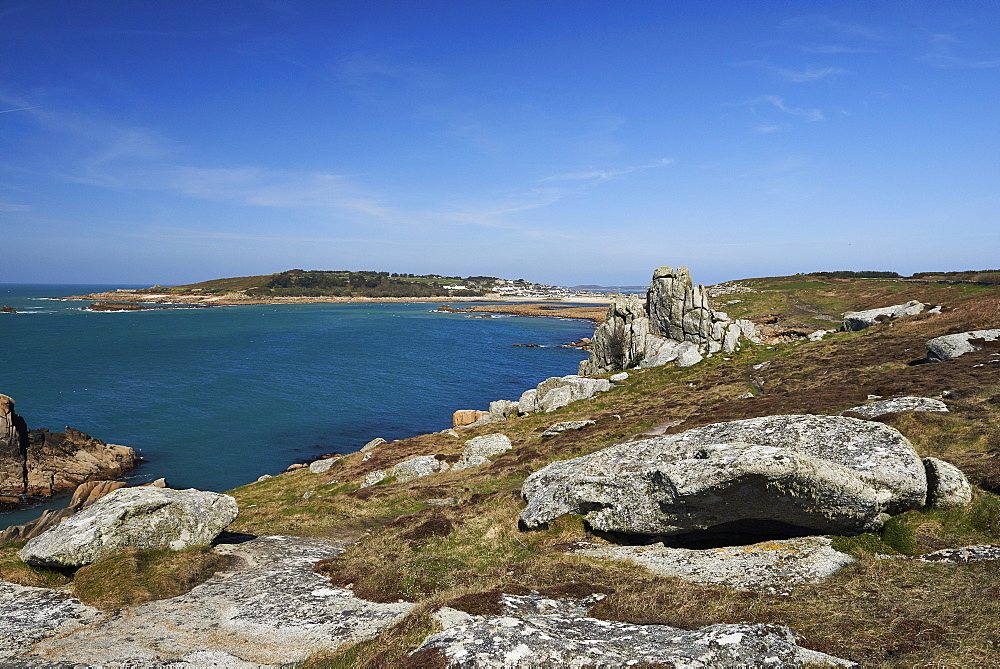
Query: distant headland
307, 286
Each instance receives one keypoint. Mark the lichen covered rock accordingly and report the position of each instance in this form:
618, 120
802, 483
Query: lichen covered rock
142, 518
826, 473
565, 641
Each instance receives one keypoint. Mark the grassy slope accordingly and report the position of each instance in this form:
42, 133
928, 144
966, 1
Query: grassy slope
463, 554
876, 611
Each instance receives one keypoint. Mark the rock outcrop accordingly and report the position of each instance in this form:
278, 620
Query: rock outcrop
479, 450
774, 567
42, 463
142, 518
674, 323
951, 346
827, 474
567, 641
859, 320
897, 404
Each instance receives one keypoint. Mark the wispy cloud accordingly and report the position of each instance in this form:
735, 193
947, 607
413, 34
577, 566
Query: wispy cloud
250, 186
597, 175
172, 233
9, 206
802, 76
834, 48
772, 127
943, 54
778, 103
7, 111
821, 22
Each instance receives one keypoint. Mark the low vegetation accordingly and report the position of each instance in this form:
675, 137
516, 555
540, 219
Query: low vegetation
453, 538
882, 610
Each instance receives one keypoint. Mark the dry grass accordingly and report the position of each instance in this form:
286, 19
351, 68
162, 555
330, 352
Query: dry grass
877, 612
133, 577
13, 570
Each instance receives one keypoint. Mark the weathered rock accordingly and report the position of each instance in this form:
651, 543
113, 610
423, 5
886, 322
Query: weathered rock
557, 391
43, 463
619, 377
143, 518
818, 335
503, 409
951, 346
375, 477
296, 466
775, 567
374, 443
88, 493
555, 429
467, 417
528, 402
560, 640
556, 398
13, 445
676, 323
322, 466
479, 450
897, 404
859, 320
267, 609
947, 487
827, 473
980, 553
58, 461
418, 467
29, 615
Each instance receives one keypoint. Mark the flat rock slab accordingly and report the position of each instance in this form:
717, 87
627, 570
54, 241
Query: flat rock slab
29, 615
775, 567
566, 641
896, 404
268, 609
981, 553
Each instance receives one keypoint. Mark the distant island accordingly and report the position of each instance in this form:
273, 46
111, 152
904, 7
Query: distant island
303, 286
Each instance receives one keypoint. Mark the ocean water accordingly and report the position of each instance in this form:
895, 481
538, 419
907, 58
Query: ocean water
213, 398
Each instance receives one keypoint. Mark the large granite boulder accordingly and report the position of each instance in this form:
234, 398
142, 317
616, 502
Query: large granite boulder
142, 518
829, 474
951, 346
479, 450
560, 640
418, 467
859, 320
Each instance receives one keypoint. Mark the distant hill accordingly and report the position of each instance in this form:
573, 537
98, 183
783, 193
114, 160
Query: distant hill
317, 283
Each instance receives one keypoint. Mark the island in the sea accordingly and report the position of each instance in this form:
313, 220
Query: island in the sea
305, 286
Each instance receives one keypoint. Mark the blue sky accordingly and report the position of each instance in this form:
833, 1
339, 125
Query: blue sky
561, 141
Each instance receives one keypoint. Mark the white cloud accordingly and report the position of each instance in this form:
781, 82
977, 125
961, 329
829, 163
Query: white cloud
834, 48
942, 54
10, 206
802, 76
597, 175
777, 102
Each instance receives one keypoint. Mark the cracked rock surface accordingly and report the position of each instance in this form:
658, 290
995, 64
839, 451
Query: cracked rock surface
268, 609
775, 567
568, 641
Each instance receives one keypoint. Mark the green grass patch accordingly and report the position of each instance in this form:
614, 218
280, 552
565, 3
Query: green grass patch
132, 577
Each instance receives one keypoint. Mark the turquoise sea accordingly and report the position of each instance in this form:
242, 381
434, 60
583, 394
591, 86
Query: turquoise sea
213, 398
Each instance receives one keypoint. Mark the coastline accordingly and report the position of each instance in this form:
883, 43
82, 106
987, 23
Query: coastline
590, 308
